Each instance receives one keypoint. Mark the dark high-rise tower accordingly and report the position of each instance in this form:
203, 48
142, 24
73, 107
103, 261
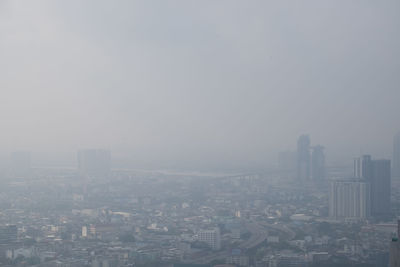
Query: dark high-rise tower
377, 174
396, 156
303, 157
380, 187
318, 163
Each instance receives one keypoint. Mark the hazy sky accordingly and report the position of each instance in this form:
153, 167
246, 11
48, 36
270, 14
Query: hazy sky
199, 82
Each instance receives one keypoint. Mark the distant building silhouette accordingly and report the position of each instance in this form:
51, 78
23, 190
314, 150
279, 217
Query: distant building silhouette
94, 162
396, 156
303, 157
318, 163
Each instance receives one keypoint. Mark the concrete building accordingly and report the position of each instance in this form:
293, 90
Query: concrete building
8, 234
396, 157
362, 167
378, 174
380, 187
349, 200
303, 158
238, 260
84, 231
318, 163
211, 237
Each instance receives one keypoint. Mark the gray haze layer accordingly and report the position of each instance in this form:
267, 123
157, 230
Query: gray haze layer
199, 83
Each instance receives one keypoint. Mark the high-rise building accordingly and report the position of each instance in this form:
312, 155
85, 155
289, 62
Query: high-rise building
211, 237
380, 187
362, 167
349, 200
396, 157
318, 163
303, 157
377, 173
94, 162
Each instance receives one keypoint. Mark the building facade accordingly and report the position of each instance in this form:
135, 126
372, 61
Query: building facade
378, 174
211, 237
8, 234
318, 163
349, 200
303, 157
380, 187
396, 157
362, 167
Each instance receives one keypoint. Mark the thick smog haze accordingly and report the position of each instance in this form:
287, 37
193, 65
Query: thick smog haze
202, 133
199, 83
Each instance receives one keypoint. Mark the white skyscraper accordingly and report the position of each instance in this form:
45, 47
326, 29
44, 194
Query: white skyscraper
349, 200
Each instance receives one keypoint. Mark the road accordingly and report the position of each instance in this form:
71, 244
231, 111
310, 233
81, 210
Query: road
259, 233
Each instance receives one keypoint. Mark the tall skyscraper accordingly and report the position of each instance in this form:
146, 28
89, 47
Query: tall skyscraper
377, 173
318, 163
303, 157
349, 200
94, 162
396, 157
362, 167
380, 187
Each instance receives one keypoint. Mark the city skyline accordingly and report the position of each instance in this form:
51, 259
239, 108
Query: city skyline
229, 85
184, 133
289, 158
